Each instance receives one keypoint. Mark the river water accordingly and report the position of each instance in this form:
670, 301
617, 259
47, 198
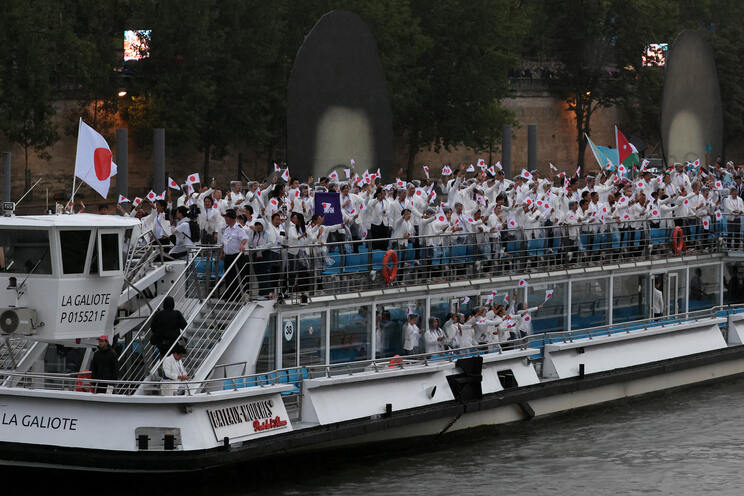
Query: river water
680, 442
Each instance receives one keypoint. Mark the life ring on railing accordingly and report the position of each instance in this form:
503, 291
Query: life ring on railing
389, 271
678, 240
84, 377
395, 361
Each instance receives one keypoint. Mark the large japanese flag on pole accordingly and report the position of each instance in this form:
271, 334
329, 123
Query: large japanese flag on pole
93, 162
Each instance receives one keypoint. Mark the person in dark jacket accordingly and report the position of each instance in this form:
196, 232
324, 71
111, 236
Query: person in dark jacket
104, 365
167, 325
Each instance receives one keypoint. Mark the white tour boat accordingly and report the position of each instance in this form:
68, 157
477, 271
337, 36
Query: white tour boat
321, 366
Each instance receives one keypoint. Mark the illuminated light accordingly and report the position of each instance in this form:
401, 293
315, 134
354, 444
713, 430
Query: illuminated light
654, 55
122, 93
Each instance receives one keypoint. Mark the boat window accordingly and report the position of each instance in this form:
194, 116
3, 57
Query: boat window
110, 254
733, 283
350, 334
553, 316
589, 303
389, 332
705, 289
74, 250
630, 298
266, 357
25, 251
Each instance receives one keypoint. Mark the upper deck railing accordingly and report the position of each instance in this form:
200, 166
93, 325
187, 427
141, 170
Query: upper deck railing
348, 266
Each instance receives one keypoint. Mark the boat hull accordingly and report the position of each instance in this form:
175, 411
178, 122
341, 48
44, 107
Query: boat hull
512, 405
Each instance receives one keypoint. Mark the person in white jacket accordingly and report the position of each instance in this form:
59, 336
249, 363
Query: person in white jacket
411, 336
733, 206
434, 337
174, 373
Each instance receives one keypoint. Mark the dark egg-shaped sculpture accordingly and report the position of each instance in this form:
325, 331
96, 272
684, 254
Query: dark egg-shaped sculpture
691, 113
337, 103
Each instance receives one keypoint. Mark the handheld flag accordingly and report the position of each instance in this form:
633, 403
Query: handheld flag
347, 173
522, 283
470, 168
276, 167
548, 294
137, 201
333, 175
93, 163
446, 171
173, 184
481, 163
285, 175
123, 199
152, 196
193, 178
426, 171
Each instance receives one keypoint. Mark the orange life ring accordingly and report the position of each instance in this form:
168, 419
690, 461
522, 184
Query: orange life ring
396, 360
84, 377
389, 271
678, 240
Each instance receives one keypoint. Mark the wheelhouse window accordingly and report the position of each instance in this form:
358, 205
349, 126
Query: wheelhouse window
110, 252
25, 251
74, 250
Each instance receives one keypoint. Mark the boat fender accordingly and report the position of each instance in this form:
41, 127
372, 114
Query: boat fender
395, 361
390, 270
678, 240
84, 377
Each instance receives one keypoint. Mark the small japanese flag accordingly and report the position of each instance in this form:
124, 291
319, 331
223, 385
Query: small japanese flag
353, 211
123, 199
621, 169
352, 163
446, 171
528, 202
492, 170
498, 165
522, 283
513, 223
161, 196
426, 171
441, 218
644, 164
696, 163
347, 173
488, 300
276, 167
193, 178
686, 202
465, 300
274, 202
137, 201
173, 184
623, 199
470, 168
297, 193
481, 163
719, 185
526, 317
420, 192
719, 215
152, 196
525, 174
548, 294
506, 300
562, 175
553, 167
578, 171
285, 174
706, 224
626, 217
655, 213
333, 175
399, 182
640, 185
546, 206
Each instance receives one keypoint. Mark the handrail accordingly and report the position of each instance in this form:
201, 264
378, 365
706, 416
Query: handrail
193, 349
277, 377
128, 357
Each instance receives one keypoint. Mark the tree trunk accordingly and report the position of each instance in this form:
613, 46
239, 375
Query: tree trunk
205, 168
412, 151
580, 139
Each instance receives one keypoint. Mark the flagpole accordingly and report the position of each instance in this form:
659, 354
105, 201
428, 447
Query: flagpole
72, 198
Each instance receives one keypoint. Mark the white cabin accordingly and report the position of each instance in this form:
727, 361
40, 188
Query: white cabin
61, 275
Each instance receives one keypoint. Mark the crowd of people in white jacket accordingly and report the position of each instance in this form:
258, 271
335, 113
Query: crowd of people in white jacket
610, 214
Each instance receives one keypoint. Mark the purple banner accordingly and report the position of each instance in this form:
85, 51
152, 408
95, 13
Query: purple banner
328, 206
